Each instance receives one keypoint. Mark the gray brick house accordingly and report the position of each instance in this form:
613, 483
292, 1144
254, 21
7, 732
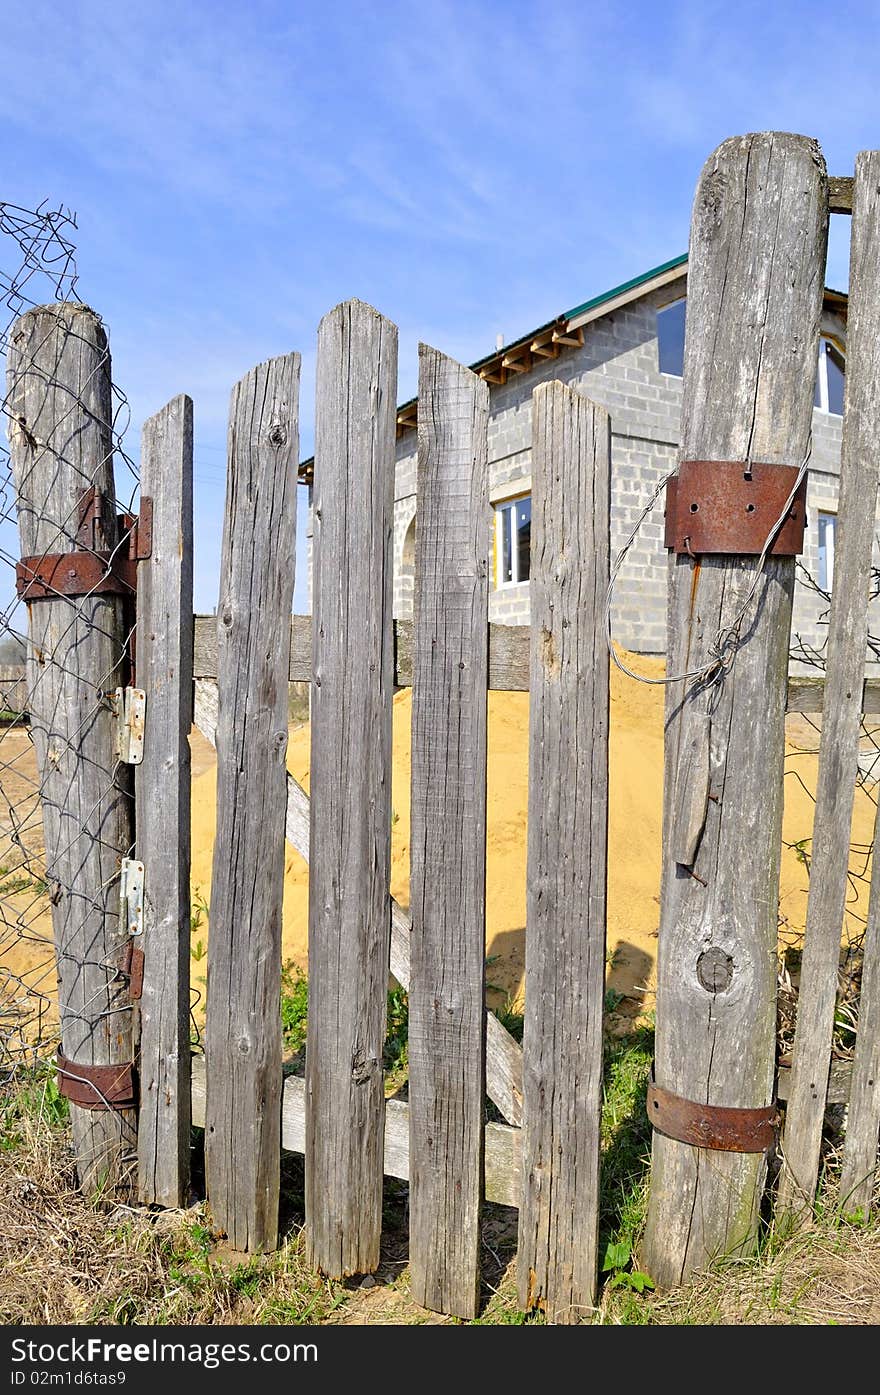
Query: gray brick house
623, 349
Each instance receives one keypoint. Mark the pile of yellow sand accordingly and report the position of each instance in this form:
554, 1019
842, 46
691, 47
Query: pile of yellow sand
636, 757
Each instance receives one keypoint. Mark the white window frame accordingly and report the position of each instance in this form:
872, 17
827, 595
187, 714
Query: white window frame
825, 548
822, 372
505, 517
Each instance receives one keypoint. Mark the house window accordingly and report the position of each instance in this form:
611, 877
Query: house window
827, 529
830, 378
513, 529
670, 338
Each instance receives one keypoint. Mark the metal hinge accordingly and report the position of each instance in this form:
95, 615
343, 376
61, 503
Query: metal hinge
129, 708
131, 895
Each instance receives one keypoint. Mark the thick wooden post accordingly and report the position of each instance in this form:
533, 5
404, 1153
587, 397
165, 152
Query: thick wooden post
243, 1029
162, 788
755, 279
568, 836
448, 837
846, 640
350, 835
60, 414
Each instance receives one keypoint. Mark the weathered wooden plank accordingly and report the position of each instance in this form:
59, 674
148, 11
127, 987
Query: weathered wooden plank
839, 741
839, 1081
691, 801
849, 598
508, 662
567, 854
508, 653
60, 413
448, 837
502, 1143
350, 835
840, 193
243, 1031
757, 254
162, 782
503, 1054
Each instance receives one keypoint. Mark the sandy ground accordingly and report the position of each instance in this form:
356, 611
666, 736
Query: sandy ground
634, 863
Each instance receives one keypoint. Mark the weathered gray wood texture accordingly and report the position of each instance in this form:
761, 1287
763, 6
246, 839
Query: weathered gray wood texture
60, 414
508, 662
448, 837
503, 1054
243, 1031
839, 742
350, 835
755, 278
847, 646
502, 1143
162, 792
567, 855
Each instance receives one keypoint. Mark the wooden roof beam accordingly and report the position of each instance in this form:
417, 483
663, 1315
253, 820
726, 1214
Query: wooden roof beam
518, 362
544, 347
574, 338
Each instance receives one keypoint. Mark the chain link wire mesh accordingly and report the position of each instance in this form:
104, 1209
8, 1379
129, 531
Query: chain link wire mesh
52, 839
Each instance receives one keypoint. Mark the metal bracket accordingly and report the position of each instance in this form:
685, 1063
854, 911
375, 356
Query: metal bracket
732, 506
97, 1087
133, 968
90, 571
129, 708
131, 895
721, 1128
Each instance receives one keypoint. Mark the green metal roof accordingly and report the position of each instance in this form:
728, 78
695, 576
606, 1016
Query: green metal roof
627, 286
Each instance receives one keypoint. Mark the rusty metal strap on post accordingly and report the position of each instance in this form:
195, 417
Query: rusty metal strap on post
97, 1087
89, 572
718, 1127
732, 506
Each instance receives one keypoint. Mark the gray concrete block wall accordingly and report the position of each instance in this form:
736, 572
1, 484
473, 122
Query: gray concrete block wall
618, 367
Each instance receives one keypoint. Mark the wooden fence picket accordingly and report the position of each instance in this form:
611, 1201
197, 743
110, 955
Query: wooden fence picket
567, 854
857, 507
350, 833
757, 252
448, 837
503, 1052
162, 782
243, 1033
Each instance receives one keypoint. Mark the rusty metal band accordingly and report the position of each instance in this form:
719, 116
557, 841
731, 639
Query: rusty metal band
97, 1087
90, 571
714, 1126
51, 575
732, 506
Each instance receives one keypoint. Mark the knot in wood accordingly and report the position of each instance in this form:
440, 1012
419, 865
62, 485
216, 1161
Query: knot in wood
278, 434
715, 970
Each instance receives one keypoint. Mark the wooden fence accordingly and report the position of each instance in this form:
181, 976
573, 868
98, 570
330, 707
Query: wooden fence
754, 302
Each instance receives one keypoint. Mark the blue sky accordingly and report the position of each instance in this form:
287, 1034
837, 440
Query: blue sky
468, 168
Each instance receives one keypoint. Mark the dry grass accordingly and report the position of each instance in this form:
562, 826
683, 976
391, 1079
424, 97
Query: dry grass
67, 1260
829, 1274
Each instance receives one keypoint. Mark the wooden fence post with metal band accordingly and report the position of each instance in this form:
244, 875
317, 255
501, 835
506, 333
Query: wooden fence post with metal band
757, 253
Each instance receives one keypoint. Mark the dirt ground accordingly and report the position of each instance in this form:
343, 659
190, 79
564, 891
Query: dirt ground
636, 765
